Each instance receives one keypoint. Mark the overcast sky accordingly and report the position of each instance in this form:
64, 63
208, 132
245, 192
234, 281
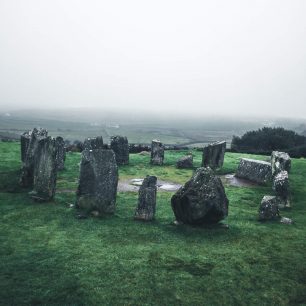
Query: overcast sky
210, 57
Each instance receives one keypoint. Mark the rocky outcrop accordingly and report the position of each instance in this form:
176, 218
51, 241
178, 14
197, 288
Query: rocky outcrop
60, 153
120, 146
213, 155
280, 161
201, 200
146, 199
157, 153
185, 162
254, 170
268, 209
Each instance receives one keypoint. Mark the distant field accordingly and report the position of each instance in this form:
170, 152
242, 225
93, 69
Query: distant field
48, 257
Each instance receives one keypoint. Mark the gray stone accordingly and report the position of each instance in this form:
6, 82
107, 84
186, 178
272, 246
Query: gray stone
268, 209
98, 181
281, 188
93, 143
202, 200
28, 151
254, 170
120, 146
185, 162
146, 199
213, 155
45, 170
157, 153
60, 153
280, 161
286, 220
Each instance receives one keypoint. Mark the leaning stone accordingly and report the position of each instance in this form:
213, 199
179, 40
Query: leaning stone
185, 162
268, 209
120, 146
157, 153
254, 170
98, 181
60, 153
280, 161
213, 155
93, 143
202, 200
45, 170
28, 153
146, 199
281, 187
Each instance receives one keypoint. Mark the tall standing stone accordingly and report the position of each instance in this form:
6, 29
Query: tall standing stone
280, 161
60, 153
157, 153
213, 155
201, 200
45, 170
28, 152
146, 199
120, 146
281, 188
93, 143
98, 181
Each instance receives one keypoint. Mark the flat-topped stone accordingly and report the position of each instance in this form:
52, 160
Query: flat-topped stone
120, 146
281, 188
157, 152
185, 162
268, 209
213, 155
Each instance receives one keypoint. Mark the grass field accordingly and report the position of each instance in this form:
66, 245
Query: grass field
48, 257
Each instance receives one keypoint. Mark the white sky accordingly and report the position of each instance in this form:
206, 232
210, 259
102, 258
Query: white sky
211, 57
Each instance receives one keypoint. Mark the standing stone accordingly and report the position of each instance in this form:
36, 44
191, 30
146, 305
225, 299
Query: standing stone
157, 153
146, 199
201, 200
268, 209
45, 170
98, 181
281, 188
93, 143
213, 155
185, 162
280, 161
28, 152
120, 146
254, 170
24, 143
60, 153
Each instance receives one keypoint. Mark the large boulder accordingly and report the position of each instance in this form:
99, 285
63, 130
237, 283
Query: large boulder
157, 153
45, 170
185, 162
280, 161
98, 181
201, 200
268, 209
29, 146
213, 155
281, 188
120, 146
254, 170
93, 143
60, 153
145, 209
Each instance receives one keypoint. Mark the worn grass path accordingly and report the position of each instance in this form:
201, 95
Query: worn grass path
48, 257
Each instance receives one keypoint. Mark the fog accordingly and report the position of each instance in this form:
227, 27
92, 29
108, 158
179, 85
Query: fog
197, 57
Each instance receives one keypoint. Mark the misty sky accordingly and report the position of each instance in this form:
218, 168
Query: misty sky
210, 57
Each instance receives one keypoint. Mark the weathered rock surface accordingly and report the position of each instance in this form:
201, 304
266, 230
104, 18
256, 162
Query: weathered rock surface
280, 161
120, 146
45, 170
145, 209
254, 170
29, 145
281, 188
185, 162
157, 153
98, 181
268, 209
213, 155
93, 143
201, 200
60, 153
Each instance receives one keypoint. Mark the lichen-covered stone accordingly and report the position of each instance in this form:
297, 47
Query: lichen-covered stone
201, 200
45, 170
157, 153
281, 188
28, 152
98, 181
185, 162
60, 153
268, 209
120, 146
280, 161
213, 155
93, 143
145, 209
254, 170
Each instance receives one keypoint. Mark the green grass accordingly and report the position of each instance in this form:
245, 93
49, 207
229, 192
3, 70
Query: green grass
48, 257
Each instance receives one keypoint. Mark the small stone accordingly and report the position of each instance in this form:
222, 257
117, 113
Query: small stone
268, 209
185, 162
95, 213
285, 220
